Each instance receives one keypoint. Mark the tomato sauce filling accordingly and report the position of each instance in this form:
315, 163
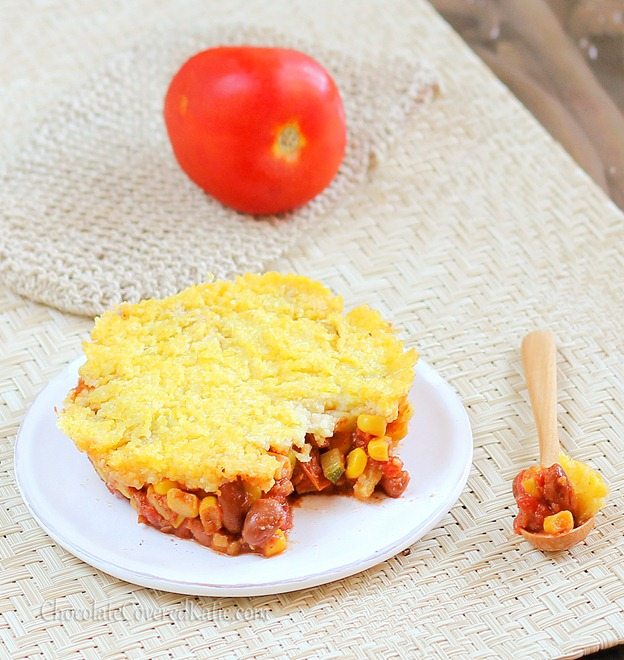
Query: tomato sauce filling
236, 525
239, 518
541, 492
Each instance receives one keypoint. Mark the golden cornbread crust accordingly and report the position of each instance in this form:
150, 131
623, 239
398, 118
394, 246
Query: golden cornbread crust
200, 386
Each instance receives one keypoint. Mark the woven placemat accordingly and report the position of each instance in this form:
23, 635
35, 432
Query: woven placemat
475, 228
94, 210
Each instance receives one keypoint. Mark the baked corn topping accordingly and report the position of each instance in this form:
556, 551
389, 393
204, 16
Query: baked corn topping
590, 488
202, 386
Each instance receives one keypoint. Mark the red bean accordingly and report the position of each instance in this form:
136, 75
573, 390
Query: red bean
395, 486
282, 488
234, 502
360, 439
183, 531
265, 517
147, 513
195, 528
558, 491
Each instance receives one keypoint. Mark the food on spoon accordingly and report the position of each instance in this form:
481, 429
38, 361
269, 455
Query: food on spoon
590, 488
209, 409
260, 129
559, 523
558, 498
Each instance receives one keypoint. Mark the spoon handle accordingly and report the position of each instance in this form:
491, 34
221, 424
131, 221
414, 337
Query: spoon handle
540, 367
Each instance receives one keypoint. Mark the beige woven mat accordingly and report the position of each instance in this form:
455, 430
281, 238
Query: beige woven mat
475, 229
94, 209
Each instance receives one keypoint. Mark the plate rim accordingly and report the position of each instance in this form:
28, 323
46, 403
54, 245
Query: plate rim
144, 579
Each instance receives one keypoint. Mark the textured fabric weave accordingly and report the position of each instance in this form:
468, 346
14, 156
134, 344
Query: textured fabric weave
95, 210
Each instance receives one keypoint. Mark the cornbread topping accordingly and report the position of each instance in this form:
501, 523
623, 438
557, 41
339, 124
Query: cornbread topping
226, 391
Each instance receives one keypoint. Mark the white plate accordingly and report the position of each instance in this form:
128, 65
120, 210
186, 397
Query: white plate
332, 537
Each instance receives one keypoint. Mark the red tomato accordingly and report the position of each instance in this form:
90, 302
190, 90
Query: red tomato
261, 129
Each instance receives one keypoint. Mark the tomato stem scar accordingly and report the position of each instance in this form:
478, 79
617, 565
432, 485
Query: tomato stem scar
289, 142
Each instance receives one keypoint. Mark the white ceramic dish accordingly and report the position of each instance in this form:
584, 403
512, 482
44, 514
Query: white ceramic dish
332, 537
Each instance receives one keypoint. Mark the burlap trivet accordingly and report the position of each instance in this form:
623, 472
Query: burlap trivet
94, 210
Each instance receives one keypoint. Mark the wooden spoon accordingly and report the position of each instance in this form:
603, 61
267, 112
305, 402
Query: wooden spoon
540, 367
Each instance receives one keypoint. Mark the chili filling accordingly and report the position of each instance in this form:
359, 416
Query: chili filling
542, 492
239, 518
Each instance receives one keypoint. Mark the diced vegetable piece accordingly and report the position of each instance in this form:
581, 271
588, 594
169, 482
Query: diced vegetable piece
332, 462
356, 463
208, 502
308, 477
276, 544
183, 503
210, 514
378, 449
365, 485
559, 523
373, 424
161, 487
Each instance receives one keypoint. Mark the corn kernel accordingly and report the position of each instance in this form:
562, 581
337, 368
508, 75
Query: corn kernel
530, 486
373, 424
234, 548
210, 514
356, 463
183, 503
559, 523
378, 449
207, 502
220, 542
177, 521
161, 487
276, 544
158, 502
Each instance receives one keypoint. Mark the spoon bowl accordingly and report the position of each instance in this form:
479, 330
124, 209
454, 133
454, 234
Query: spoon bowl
557, 542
